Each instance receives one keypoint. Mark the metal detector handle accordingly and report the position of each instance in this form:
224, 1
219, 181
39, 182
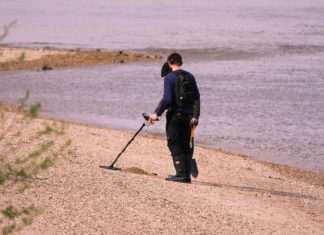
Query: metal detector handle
146, 116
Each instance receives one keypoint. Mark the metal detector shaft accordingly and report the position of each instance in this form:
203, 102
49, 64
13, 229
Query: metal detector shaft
113, 163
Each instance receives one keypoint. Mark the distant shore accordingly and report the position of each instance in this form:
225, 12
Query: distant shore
14, 58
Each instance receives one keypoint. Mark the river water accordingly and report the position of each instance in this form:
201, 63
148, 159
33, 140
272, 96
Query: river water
259, 66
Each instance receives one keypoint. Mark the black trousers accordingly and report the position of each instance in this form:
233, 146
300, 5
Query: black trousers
178, 136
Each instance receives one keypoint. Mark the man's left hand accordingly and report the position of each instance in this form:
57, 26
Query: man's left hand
193, 122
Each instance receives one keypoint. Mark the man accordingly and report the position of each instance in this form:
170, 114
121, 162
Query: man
182, 115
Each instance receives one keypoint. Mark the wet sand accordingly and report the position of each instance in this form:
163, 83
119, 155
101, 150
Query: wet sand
35, 59
233, 194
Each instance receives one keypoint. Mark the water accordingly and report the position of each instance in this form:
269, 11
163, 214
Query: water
264, 96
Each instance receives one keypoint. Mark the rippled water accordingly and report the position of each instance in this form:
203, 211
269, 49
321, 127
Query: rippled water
263, 96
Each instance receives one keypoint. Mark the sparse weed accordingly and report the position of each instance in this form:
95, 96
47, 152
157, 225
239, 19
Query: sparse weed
46, 146
43, 148
3, 178
22, 174
33, 154
61, 129
31, 210
22, 101
72, 152
46, 163
48, 130
22, 58
26, 214
19, 161
10, 212
34, 110
27, 220
23, 188
8, 229
16, 171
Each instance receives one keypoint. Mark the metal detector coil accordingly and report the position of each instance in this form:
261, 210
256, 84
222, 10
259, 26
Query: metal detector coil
111, 166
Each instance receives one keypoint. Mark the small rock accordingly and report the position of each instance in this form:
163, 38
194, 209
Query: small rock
46, 67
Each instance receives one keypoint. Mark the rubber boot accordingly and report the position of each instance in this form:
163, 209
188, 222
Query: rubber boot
179, 165
178, 162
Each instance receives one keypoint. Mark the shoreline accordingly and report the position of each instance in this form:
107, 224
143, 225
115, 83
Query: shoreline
69, 193
20, 58
306, 175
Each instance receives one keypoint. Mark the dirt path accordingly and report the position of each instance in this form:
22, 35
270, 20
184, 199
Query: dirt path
232, 195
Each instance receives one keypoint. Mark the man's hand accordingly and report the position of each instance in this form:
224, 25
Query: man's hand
153, 117
193, 122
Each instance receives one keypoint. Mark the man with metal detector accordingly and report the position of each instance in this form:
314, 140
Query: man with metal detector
181, 98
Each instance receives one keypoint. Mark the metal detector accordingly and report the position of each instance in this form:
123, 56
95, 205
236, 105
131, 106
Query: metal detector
145, 123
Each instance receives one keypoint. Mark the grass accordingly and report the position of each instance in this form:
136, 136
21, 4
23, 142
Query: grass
25, 215
3, 178
48, 130
22, 101
8, 229
43, 142
10, 212
44, 147
22, 58
46, 163
31, 210
22, 174
23, 188
34, 109
27, 220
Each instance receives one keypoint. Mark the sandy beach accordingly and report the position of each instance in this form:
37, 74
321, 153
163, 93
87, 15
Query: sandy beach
259, 69
70, 194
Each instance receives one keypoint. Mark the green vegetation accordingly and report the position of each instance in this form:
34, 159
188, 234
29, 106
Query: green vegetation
8, 229
22, 101
34, 110
24, 216
27, 220
22, 58
48, 130
10, 212
46, 163
28, 147
22, 174
23, 188
3, 178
